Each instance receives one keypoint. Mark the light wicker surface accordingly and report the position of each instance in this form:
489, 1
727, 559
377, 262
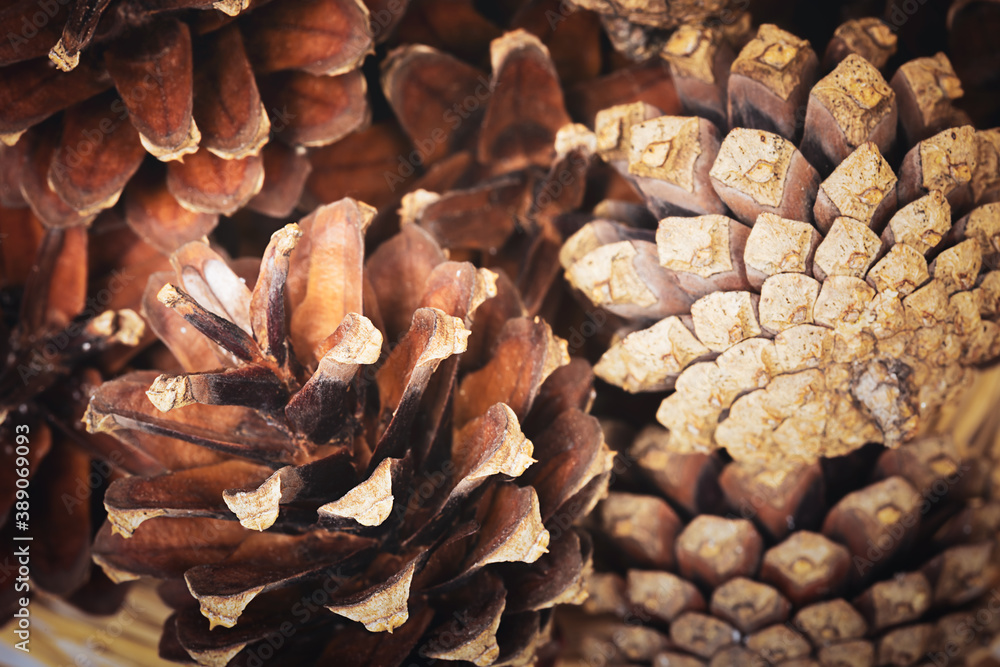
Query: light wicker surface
975, 422
62, 636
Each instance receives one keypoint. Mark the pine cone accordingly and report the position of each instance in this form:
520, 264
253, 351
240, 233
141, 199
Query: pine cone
499, 175
817, 316
767, 290
477, 151
68, 318
339, 474
200, 86
505, 166
639, 29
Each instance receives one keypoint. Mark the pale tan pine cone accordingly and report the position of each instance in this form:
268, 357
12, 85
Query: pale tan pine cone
818, 319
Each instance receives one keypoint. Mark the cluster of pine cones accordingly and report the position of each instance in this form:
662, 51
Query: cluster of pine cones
514, 332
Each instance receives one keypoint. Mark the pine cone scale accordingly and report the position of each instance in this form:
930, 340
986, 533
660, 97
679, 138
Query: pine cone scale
153, 75
227, 105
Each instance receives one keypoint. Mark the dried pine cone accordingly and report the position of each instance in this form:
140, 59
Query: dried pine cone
883, 558
500, 175
338, 469
200, 86
833, 293
817, 316
485, 144
506, 168
639, 29
68, 317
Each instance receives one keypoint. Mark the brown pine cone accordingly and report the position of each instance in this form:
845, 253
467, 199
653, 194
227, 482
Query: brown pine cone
883, 558
68, 302
499, 175
483, 146
171, 106
331, 475
505, 167
817, 317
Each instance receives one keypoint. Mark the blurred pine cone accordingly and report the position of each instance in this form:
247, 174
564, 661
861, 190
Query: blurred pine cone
818, 316
499, 175
639, 29
68, 301
332, 475
189, 109
505, 167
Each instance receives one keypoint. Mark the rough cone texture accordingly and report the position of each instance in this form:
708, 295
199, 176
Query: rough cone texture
479, 92
174, 112
639, 29
831, 310
335, 444
818, 299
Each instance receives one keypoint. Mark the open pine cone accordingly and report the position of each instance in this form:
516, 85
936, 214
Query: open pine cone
501, 176
817, 316
171, 103
329, 475
68, 302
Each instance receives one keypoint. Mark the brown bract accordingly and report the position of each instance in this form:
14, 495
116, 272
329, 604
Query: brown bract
640, 29
849, 106
925, 89
504, 163
862, 187
333, 443
670, 158
757, 172
868, 37
700, 58
769, 80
